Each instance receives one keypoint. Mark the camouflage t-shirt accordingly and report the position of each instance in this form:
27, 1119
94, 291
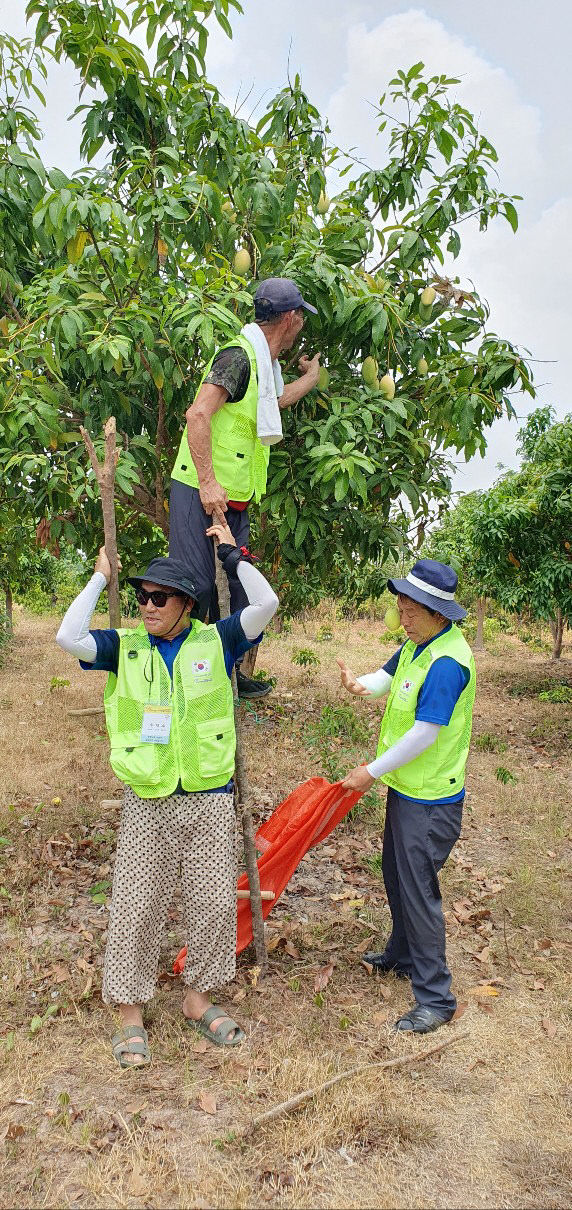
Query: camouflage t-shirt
231, 370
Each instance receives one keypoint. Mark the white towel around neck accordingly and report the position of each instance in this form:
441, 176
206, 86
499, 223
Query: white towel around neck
270, 387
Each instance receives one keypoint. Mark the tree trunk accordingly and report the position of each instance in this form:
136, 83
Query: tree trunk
105, 475
9, 607
248, 661
243, 796
557, 632
481, 610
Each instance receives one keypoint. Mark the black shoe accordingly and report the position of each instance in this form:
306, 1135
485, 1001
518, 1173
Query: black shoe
380, 963
421, 1020
250, 688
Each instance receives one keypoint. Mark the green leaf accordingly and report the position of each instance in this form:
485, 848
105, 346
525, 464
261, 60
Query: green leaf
291, 513
301, 531
341, 487
511, 215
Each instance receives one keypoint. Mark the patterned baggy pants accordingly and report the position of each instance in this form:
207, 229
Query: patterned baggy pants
194, 834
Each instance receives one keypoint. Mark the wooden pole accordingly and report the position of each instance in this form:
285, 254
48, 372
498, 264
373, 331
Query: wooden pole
105, 475
243, 795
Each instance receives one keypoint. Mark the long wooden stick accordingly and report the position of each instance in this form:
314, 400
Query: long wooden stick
401, 1061
105, 475
243, 796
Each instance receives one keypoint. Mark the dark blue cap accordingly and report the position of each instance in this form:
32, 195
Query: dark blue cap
278, 294
169, 573
431, 584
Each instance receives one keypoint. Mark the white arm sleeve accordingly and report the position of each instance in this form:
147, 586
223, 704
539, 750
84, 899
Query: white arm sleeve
419, 737
262, 599
378, 682
73, 635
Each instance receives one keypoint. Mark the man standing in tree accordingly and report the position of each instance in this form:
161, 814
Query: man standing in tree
223, 457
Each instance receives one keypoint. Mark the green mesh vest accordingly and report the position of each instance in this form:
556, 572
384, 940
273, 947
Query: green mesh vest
200, 751
240, 461
439, 772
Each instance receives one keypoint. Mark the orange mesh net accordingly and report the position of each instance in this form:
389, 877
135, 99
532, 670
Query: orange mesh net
303, 820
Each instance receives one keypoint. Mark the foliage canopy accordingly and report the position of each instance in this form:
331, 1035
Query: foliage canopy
117, 283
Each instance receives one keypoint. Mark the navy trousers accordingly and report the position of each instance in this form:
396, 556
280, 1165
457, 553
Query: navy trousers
417, 840
189, 543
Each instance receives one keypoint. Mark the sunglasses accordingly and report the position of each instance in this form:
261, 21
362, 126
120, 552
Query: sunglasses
158, 597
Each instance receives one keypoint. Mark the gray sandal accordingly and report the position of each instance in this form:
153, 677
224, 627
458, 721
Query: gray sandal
123, 1044
221, 1036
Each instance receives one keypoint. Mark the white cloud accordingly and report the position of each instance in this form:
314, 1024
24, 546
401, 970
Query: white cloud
375, 54
524, 277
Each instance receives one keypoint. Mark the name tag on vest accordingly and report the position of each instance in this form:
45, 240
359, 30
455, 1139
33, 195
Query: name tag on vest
156, 727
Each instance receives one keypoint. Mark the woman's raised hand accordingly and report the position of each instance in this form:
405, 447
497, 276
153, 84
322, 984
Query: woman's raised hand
350, 682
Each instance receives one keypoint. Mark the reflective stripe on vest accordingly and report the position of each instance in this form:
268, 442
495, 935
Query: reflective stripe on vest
240, 461
439, 772
200, 751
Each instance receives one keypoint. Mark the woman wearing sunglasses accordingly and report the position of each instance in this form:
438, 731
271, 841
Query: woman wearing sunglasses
170, 717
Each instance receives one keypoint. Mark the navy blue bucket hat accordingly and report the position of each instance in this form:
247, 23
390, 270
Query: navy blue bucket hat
431, 584
169, 573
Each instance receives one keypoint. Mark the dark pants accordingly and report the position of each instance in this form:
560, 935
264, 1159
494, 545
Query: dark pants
417, 841
189, 543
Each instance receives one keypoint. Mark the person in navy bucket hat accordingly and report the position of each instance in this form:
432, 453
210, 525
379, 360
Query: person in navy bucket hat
421, 757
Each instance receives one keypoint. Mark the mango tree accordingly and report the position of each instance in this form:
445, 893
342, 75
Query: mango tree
117, 283
523, 526
453, 542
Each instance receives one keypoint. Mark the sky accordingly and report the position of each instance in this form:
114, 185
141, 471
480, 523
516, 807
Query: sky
513, 61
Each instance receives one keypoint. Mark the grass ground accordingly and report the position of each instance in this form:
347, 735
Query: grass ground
487, 1123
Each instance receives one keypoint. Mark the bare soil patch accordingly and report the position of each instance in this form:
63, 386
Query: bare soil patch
487, 1123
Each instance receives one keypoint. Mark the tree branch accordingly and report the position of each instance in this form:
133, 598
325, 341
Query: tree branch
105, 475
302, 1097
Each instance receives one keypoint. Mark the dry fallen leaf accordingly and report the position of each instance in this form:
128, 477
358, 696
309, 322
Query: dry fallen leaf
486, 990
549, 1027
484, 954
60, 973
291, 949
200, 1048
207, 1102
253, 975
380, 1018
272, 943
460, 1009
323, 977
240, 996
14, 1131
368, 966
136, 1106
384, 991
364, 945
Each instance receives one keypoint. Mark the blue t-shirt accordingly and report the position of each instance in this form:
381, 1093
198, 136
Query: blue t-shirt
234, 644
438, 695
